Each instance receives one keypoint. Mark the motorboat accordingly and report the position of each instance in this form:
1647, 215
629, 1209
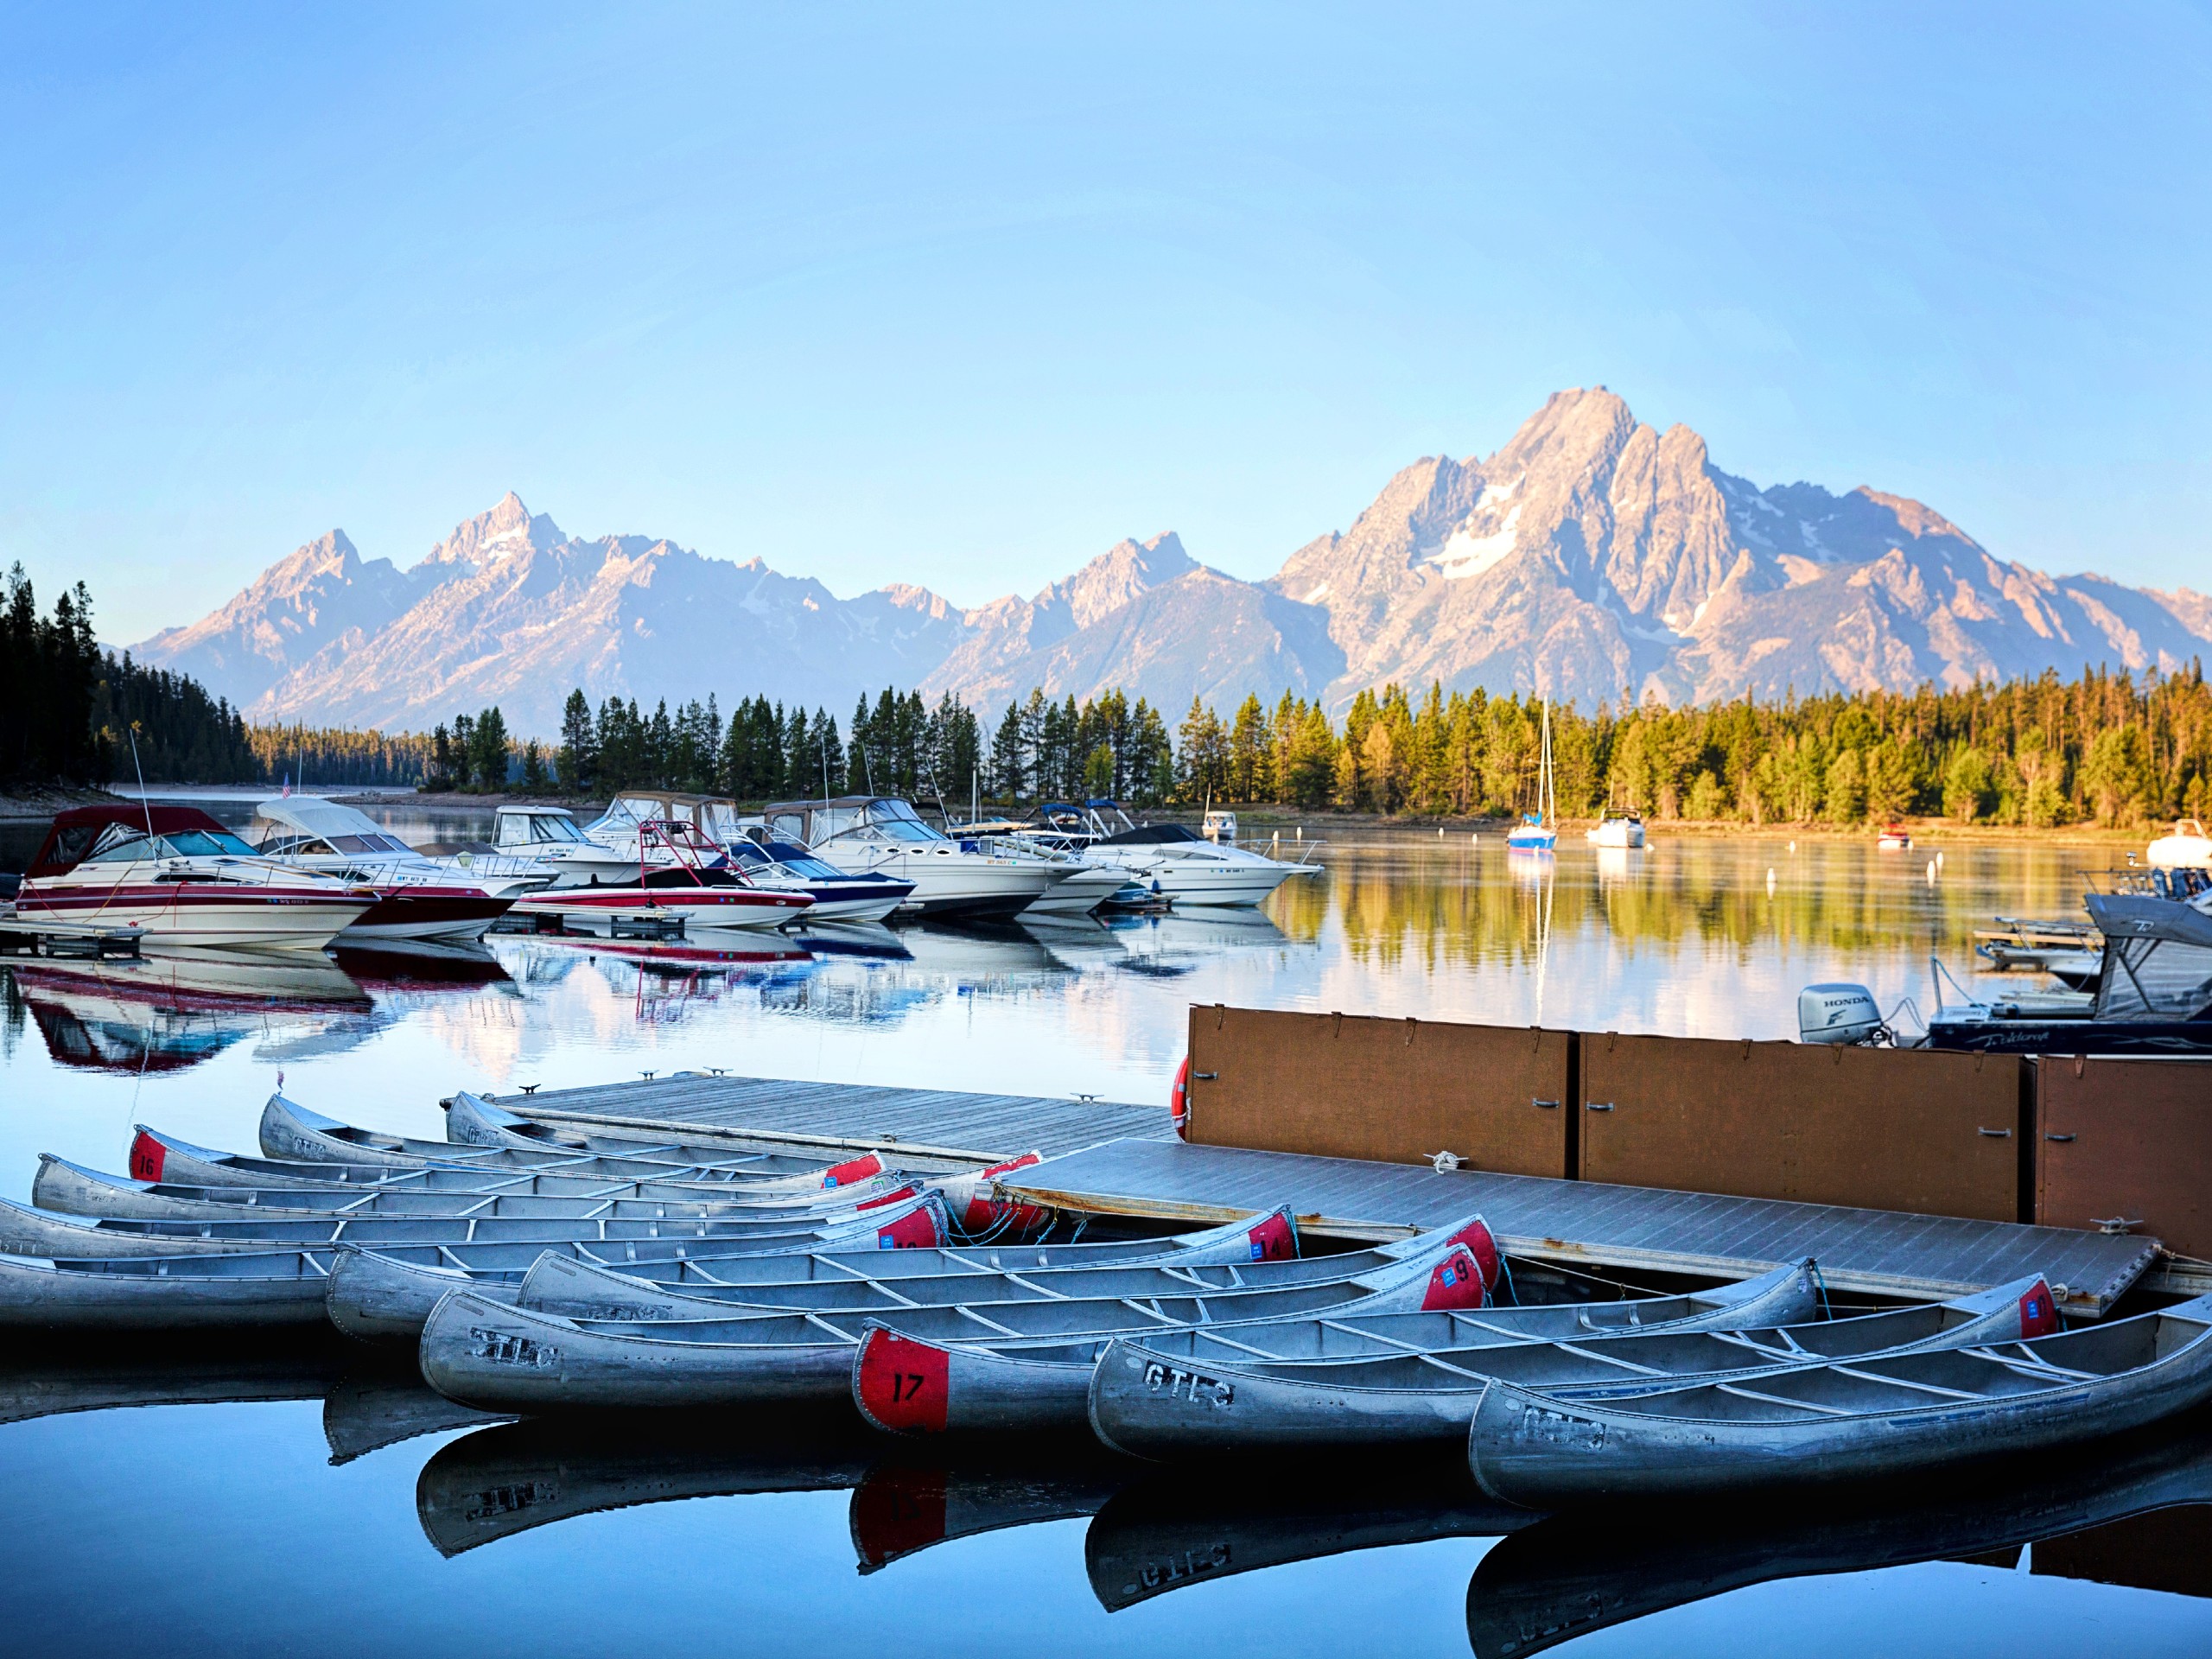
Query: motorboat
1894, 838
1176, 862
1538, 832
1084, 887
2188, 848
1616, 829
964, 877
685, 875
419, 898
1220, 826
181, 877
2151, 995
780, 865
549, 836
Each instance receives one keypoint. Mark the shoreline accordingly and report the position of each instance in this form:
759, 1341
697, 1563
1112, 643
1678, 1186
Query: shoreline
1265, 819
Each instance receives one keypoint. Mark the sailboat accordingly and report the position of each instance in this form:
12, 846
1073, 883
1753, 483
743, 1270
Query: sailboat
1535, 833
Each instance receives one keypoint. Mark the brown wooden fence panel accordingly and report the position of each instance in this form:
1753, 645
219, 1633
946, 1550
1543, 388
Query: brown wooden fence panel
2128, 1140
1394, 1091
1879, 1129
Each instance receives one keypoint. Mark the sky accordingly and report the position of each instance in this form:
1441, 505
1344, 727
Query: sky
962, 295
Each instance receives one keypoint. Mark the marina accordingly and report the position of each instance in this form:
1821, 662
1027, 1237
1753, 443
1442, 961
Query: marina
508, 1059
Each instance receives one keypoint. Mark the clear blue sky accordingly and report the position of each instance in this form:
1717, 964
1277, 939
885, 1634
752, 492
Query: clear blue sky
961, 295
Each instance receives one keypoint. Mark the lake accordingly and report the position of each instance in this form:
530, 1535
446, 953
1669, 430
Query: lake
305, 1498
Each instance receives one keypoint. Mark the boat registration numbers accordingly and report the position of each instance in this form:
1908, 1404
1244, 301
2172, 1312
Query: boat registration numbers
1194, 1386
503, 1348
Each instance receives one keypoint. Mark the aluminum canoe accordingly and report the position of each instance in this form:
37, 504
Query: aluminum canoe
158, 1156
1156, 1405
164, 1294
164, 1161
289, 1130
34, 1232
578, 1291
1863, 1418
72, 1189
1044, 1384
376, 1298
485, 1354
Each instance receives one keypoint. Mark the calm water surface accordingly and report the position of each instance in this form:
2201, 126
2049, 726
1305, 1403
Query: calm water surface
307, 1499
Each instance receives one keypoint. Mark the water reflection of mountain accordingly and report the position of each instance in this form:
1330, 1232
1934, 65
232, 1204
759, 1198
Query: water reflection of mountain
1574, 1573
177, 1008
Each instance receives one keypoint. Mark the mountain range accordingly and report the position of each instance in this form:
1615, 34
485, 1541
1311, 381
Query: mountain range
1591, 557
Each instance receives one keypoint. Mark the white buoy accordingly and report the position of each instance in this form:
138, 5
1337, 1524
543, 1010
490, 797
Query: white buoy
1931, 872
1473, 836
1793, 846
1939, 861
1439, 832
1769, 881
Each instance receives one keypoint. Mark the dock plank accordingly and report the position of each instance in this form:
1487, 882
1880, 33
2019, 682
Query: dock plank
1583, 1223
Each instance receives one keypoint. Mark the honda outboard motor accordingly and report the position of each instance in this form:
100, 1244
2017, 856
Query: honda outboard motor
1839, 1013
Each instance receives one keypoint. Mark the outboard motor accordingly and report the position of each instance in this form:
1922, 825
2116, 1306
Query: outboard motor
1839, 1013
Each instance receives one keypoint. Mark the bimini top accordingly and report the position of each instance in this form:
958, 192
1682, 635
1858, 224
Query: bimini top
312, 818
2157, 962
77, 830
815, 822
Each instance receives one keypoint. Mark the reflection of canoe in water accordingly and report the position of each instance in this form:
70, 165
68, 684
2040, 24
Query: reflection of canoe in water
92, 1373
502, 1481
1571, 1574
1171, 1532
1869, 1419
365, 1407
901, 1509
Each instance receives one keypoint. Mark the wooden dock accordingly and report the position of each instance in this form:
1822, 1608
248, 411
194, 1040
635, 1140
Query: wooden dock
1585, 1224
31, 936
932, 1125
1115, 1158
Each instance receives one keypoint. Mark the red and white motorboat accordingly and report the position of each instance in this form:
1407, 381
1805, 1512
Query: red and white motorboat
417, 898
686, 876
1894, 838
181, 877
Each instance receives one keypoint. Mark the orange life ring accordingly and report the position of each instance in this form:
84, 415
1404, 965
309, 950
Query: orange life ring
1179, 1101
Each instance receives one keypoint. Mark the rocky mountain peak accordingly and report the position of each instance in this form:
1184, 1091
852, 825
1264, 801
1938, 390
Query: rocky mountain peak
506, 529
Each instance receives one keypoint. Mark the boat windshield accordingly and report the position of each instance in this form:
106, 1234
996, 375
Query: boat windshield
792, 857
517, 829
178, 844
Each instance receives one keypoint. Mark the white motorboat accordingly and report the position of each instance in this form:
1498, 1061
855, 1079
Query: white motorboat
2188, 848
1182, 866
1083, 888
420, 897
778, 865
686, 876
548, 835
1616, 830
181, 877
970, 877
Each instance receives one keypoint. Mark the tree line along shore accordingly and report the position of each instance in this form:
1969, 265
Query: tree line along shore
2106, 749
